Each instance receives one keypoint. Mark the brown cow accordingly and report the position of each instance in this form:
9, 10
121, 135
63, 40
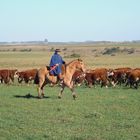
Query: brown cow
6, 75
134, 78
137, 68
97, 76
78, 77
119, 75
27, 75
12, 74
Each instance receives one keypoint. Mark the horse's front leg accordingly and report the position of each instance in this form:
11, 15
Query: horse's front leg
61, 91
72, 89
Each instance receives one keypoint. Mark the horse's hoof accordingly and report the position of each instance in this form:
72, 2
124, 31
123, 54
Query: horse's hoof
59, 97
40, 97
74, 97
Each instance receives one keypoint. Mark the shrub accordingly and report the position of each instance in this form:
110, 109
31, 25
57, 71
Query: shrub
14, 49
26, 50
52, 50
65, 49
109, 51
74, 55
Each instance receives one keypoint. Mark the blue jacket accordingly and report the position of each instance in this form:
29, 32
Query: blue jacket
56, 59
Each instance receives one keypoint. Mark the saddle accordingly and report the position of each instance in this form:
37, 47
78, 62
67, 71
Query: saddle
48, 68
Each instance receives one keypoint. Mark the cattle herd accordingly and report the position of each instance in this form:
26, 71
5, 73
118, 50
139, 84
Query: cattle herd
102, 76
8, 75
108, 77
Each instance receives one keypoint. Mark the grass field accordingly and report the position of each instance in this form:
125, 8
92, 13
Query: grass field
97, 114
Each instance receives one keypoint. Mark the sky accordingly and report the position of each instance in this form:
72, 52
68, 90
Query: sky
69, 20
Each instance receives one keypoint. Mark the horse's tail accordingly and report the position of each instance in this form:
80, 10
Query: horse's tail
36, 80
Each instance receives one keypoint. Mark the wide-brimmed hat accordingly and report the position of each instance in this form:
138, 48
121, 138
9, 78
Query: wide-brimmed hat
57, 50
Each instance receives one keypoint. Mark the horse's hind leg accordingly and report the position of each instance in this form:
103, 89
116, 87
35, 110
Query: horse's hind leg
42, 94
39, 91
40, 88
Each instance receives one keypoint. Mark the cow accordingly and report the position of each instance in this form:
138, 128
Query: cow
4, 76
13, 74
97, 76
134, 78
119, 75
78, 77
26, 75
7, 74
137, 69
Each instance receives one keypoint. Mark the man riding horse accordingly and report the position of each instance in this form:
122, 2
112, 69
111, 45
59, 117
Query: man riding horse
56, 64
43, 76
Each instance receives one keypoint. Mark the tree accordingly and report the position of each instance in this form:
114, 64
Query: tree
46, 40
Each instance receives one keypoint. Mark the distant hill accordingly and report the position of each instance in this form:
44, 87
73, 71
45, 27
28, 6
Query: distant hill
65, 43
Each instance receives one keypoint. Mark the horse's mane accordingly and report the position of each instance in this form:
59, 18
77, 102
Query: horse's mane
73, 61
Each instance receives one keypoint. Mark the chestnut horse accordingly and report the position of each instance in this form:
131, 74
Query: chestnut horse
43, 77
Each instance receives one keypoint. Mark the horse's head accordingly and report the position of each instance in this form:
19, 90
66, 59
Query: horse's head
80, 65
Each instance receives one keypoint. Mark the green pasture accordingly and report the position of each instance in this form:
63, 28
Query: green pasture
97, 114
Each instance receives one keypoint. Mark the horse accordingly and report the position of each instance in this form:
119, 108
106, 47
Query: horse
43, 77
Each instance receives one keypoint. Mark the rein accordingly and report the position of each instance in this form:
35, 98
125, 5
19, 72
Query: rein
53, 68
